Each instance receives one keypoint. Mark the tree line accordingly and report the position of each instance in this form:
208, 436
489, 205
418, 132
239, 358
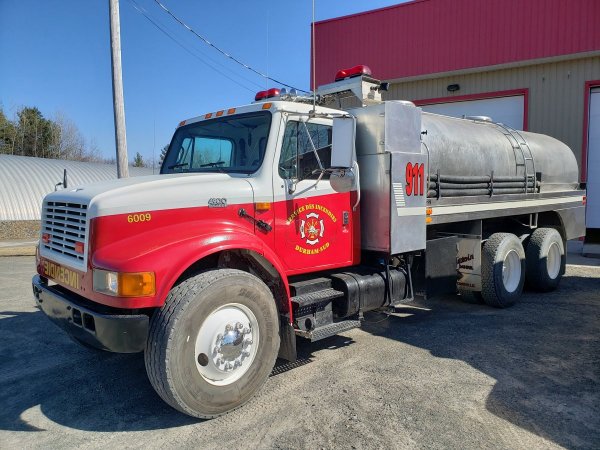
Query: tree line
29, 133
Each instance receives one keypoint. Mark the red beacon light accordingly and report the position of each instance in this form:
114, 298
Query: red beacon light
355, 71
273, 92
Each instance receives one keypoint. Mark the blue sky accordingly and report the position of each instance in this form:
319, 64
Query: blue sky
55, 55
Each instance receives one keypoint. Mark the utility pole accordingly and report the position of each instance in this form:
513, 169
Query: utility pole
118, 102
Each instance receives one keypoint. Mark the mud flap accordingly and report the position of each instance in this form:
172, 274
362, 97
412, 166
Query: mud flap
287, 345
438, 276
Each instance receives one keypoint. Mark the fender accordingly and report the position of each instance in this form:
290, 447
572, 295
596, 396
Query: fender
156, 250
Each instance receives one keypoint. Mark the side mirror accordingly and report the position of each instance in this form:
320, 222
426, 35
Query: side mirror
342, 142
342, 180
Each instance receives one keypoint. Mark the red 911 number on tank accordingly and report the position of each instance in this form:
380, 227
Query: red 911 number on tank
415, 179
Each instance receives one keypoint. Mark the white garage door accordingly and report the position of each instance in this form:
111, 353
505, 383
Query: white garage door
593, 162
507, 110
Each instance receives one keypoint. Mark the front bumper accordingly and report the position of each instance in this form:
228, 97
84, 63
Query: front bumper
106, 330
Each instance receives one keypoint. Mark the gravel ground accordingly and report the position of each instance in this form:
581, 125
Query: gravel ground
442, 374
19, 229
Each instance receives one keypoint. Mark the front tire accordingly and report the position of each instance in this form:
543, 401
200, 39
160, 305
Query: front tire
502, 270
546, 259
214, 342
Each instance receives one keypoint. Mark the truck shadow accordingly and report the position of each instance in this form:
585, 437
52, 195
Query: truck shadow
544, 354
43, 370
45, 378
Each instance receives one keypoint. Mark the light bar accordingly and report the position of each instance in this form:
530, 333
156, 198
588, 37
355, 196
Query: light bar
273, 92
355, 71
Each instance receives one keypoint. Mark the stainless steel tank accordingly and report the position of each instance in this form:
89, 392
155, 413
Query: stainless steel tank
467, 162
474, 149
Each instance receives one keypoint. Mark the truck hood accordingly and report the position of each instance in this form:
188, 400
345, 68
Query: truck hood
156, 192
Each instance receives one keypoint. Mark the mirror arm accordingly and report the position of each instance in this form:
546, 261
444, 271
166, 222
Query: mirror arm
314, 149
320, 177
291, 186
357, 186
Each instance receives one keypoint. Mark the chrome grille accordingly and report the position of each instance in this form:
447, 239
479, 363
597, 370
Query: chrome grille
66, 223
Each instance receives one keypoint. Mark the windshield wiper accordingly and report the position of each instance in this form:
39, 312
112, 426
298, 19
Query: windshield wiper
213, 164
177, 165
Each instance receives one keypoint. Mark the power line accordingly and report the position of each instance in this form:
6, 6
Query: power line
223, 52
202, 58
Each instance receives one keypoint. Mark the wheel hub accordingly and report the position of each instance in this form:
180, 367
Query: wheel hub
511, 271
229, 346
553, 261
226, 344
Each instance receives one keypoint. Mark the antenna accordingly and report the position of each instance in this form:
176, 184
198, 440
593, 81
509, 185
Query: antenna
314, 61
267, 77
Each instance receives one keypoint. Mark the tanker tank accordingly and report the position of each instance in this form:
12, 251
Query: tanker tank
470, 157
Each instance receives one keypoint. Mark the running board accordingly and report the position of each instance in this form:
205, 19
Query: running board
312, 298
328, 330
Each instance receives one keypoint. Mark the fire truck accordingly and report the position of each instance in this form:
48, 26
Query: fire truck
290, 218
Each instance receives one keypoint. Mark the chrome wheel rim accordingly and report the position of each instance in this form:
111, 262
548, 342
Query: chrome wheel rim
553, 261
511, 271
226, 344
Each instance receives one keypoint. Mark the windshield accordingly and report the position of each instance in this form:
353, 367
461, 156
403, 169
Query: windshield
234, 144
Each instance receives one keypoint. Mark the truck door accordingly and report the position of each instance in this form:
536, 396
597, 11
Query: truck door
315, 225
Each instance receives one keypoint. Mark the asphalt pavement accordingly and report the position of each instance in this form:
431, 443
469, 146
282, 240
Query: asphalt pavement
442, 373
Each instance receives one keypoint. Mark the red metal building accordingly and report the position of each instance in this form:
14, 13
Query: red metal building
533, 64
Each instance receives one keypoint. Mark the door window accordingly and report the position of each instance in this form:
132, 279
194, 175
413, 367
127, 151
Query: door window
298, 158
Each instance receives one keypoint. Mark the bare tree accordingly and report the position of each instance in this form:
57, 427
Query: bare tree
72, 143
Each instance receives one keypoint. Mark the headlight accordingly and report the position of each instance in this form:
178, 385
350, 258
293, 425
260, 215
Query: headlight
130, 284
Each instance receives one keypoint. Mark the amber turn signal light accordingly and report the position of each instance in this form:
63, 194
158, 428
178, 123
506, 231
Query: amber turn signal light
129, 284
140, 284
262, 206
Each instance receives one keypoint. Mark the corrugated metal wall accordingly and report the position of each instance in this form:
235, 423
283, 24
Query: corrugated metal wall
435, 36
24, 181
556, 94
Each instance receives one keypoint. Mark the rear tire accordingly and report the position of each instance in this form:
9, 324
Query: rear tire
214, 342
502, 270
546, 259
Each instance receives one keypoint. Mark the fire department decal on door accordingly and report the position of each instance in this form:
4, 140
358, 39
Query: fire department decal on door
312, 228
